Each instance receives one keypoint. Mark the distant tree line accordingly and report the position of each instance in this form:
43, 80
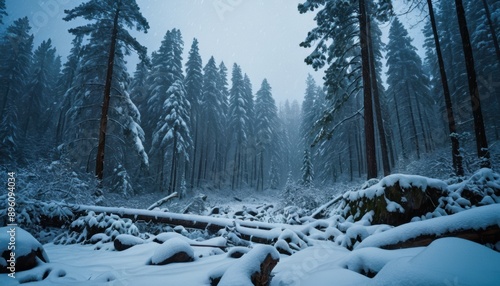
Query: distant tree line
174, 127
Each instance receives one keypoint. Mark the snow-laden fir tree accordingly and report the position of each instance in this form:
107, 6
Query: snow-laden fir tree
194, 93
212, 116
308, 112
266, 129
408, 85
16, 48
172, 138
2, 11
139, 89
237, 123
250, 154
307, 170
66, 83
102, 89
274, 175
39, 101
225, 138
290, 116
166, 68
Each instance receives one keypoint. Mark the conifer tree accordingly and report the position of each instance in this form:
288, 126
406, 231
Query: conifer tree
2, 11
436, 48
66, 84
223, 95
172, 139
481, 141
265, 130
237, 123
341, 37
16, 49
308, 112
193, 83
108, 43
212, 116
307, 170
41, 89
166, 68
406, 79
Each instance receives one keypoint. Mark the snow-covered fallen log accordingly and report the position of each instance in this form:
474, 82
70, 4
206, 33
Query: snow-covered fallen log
162, 201
480, 224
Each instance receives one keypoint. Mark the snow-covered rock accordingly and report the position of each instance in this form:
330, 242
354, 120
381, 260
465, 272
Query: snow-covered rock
171, 251
394, 200
126, 241
19, 250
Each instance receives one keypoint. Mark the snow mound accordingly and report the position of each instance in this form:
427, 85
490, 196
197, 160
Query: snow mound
126, 241
482, 188
473, 219
28, 252
262, 258
446, 261
173, 250
404, 181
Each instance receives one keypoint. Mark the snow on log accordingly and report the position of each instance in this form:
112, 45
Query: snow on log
162, 201
480, 224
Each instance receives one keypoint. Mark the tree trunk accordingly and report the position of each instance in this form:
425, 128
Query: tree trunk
173, 170
195, 149
455, 144
349, 143
99, 169
376, 98
422, 127
492, 30
371, 160
412, 121
481, 142
398, 120
235, 168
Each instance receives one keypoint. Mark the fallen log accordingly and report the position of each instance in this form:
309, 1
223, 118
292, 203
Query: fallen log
211, 224
480, 224
164, 200
186, 220
490, 235
319, 212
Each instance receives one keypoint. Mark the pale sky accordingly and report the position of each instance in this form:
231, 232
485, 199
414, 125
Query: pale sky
262, 36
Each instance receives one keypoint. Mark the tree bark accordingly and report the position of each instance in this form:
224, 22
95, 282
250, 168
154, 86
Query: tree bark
481, 142
371, 160
455, 144
99, 169
376, 98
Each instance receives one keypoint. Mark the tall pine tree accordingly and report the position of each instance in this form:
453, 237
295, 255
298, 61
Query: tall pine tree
104, 72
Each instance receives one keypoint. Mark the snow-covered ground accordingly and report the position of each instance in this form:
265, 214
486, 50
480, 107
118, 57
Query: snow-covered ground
333, 250
447, 261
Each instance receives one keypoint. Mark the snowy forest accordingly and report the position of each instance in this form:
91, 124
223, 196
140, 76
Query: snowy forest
185, 158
